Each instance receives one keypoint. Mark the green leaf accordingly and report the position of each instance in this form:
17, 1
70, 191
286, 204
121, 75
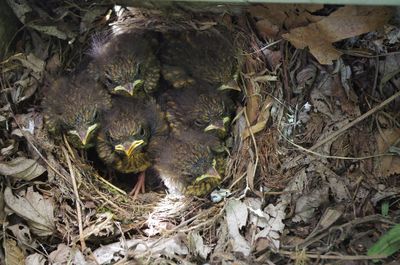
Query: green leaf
385, 208
388, 244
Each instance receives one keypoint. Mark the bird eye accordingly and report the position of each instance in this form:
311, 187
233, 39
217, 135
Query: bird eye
95, 115
142, 132
198, 123
109, 82
138, 69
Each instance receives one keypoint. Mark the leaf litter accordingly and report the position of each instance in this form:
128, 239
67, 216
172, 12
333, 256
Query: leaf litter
313, 163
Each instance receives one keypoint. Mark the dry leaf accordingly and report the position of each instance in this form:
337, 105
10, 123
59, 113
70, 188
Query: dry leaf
27, 16
346, 22
236, 218
66, 255
261, 120
22, 168
308, 203
387, 165
272, 216
14, 255
23, 235
329, 217
29, 61
197, 245
267, 29
167, 246
35, 259
32, 207
104, 226
284, 16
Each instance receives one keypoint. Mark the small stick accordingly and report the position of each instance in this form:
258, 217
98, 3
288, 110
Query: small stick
78, 201
349, 125
292, 255
354, 122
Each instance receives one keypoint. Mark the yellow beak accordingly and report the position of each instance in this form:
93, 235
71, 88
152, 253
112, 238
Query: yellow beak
84, 136
233, 85
129, 88
129, 148
218, 126
211, 173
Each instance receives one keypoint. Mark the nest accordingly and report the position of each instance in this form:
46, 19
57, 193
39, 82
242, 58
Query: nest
262, 171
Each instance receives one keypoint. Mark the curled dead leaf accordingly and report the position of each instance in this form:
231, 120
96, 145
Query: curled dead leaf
387, 165
22, 168
261, 120
197, 245
236, 217
346, 22
34, 208
14, 255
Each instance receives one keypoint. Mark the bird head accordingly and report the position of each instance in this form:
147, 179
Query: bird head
122, 75
83, 125
212, 115
84, 135
130, 138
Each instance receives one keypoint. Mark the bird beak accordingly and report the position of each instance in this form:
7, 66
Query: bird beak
233, 85
218, 126
129, 148
129, 88
85, 136
211, 173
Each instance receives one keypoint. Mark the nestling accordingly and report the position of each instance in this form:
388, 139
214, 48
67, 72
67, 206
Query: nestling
127, 129
72, 105
127, 64
199, 55
186, 163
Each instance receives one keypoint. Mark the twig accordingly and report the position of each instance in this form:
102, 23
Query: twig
318, 236
354, 122
329, 156
255, 150
100, 178
293, 255
35, 148
349, 125
78, 201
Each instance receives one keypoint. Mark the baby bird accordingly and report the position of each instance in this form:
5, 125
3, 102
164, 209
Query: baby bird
199, 107
127, 64
202, 55
186, 163
127, 129
72, 105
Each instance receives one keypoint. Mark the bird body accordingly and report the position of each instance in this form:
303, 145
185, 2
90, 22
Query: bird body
127, 64
186, 162
72, 105
203, 55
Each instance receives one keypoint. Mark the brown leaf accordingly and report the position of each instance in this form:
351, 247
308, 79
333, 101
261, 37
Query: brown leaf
261, 120
22, 168
346, 22
34, 208
285, 16
267, 29
387, 165
14, 255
